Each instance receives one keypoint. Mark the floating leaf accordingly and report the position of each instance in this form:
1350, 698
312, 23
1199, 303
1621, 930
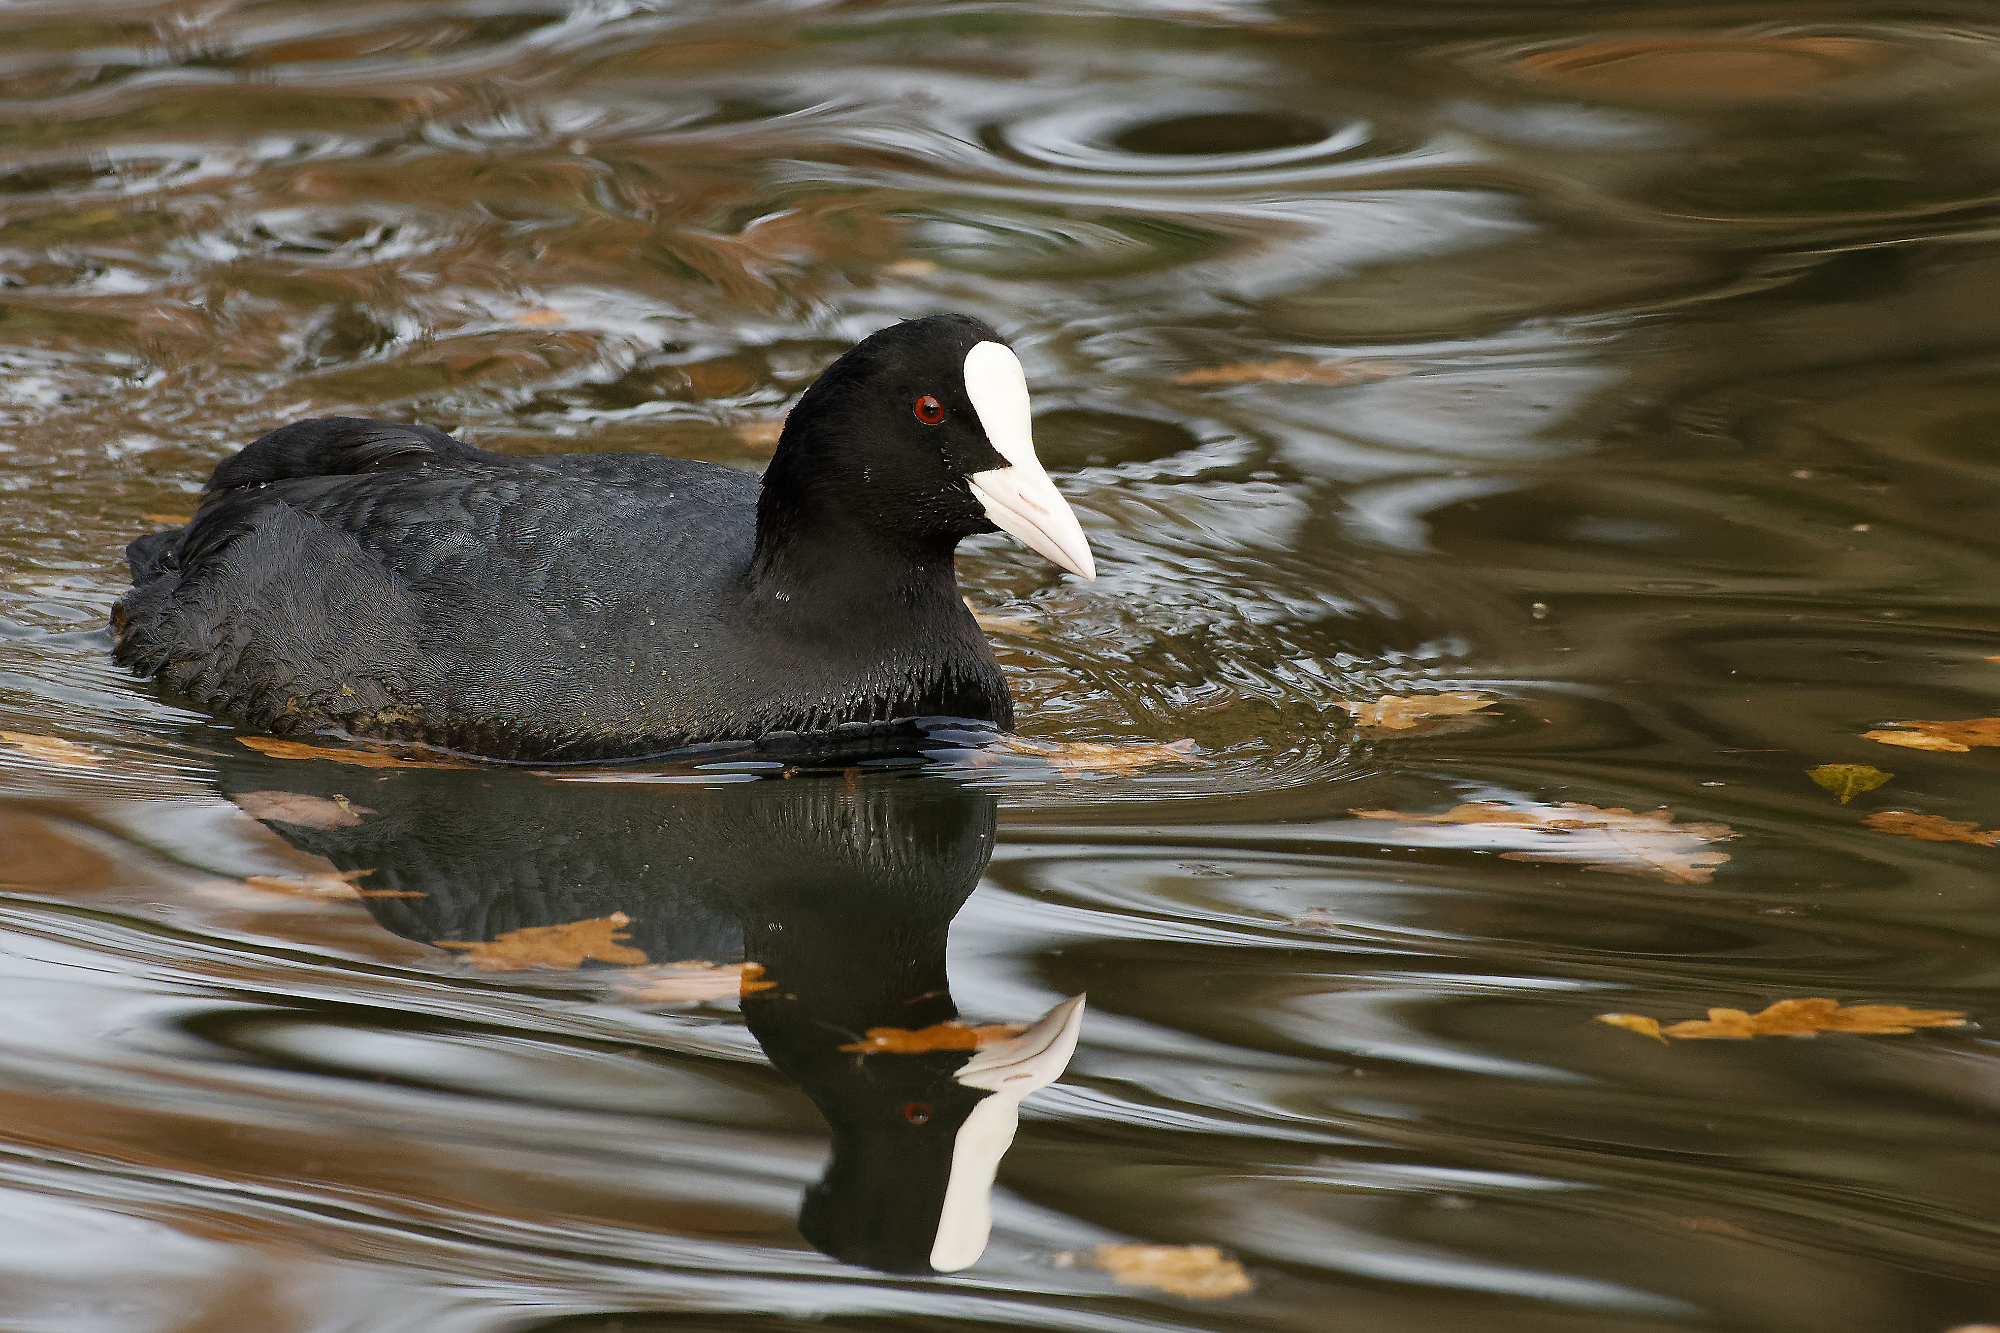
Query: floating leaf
1199, 1271
692, 981
51, 747
171, 520
1795, 1018
279, 749
331, 884
953, 1036
1095, 756
1848, 781
1931, 828
290, 807
1399, 712
1614, 840
1634, 1022
1956, 736
1294, 372
542, 319
911, 268
564, 947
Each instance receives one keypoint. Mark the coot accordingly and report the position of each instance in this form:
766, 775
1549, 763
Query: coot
389, 581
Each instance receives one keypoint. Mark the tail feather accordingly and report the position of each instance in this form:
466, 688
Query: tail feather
337, 446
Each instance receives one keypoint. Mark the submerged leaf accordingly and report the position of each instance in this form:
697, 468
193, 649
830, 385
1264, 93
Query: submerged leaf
952, 1036
1639, 1023
564, 947
999, 624
281, 749
693, 980
1795, 1018
1198, 1271
290, 807
1104, 757
759, 434
1957, 736
1848, 781
51, 747
1614, 839
1293, 372
1399, 712
1931, 828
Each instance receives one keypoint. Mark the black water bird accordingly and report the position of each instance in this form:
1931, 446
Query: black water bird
389, 581
843, 894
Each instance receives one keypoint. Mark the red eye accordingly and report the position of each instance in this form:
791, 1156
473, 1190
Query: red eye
929, 411
916, 1112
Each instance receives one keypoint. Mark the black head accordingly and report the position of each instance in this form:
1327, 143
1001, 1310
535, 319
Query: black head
917, 437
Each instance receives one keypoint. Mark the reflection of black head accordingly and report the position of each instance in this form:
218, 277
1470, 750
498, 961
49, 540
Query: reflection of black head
842, 890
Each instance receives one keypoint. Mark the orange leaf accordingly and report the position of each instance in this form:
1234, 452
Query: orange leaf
1614, 839
51, 747
1400, 712
1795, 1018
1953, 736
279, 749
1293, 372
953, 1036
288, 807
1931, 828
1199, 1271
1103, 757
564, 947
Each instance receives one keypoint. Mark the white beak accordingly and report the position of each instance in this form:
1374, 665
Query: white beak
1010, 1071
1019, 498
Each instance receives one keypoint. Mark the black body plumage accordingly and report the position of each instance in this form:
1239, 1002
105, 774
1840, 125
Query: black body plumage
389, 581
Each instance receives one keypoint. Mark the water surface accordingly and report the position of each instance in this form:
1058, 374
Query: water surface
1666, 420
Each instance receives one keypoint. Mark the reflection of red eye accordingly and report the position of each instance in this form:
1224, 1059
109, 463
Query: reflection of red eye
916, 1112
929, 410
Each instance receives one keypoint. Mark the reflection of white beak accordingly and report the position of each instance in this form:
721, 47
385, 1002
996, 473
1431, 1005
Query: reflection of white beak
1009, 1070
1019, 498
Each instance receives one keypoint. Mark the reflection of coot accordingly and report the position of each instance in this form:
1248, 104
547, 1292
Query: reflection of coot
843, 890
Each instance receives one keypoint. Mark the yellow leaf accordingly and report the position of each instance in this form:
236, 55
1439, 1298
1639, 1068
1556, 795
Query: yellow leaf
1931, 828
1635, 1022
911, 268
171, 520
1399, 712
693, 980
1955, 736
1795, 1018
50, 747
360, 758
1614, 840
1293, 372
1103, 757
1848, 781
952, 1036
564, 947
1199, 1271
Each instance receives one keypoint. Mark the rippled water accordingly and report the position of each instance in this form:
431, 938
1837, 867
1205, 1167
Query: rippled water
1668, 423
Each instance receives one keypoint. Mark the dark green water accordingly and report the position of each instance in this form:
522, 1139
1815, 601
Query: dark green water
1678, 441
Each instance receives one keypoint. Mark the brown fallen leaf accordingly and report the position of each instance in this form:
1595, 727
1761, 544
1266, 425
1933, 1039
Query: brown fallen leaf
1931, 828
1848, 781
1798, 1018
759, 434
952, 1036
171, 520
1634, 1022
1198, 1271
541, 319
331, 884
51, 747
1104, 757
281, 749
1294, 372
1957, 737
1614, 840
290, 807
999, 624
564, 947
693, 980
1394, 712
